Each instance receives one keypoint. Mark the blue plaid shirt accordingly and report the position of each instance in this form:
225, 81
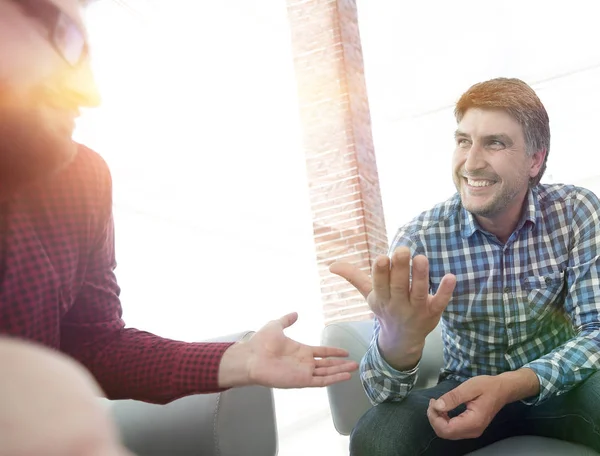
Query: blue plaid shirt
532, 302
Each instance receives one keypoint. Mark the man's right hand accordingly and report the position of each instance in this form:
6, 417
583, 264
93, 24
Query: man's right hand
406, 311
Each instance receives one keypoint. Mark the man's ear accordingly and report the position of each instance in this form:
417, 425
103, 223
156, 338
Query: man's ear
537, 163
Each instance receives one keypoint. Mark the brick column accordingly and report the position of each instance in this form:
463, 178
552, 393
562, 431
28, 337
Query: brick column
342, 173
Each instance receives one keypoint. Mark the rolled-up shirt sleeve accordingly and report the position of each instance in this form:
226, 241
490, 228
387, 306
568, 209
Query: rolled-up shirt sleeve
381, 381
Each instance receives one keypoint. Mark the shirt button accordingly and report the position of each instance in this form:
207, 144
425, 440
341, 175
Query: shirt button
506, 290
547, 280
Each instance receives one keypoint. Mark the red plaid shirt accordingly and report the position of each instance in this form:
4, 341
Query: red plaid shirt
57, 287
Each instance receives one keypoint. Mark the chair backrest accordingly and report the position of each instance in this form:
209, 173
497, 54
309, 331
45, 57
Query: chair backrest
347, 400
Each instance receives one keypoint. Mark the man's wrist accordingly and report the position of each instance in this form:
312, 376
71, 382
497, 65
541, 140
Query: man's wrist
400, 351
234, 369
520, 384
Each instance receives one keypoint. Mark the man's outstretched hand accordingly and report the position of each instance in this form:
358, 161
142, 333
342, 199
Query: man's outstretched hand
270, 358
406, 311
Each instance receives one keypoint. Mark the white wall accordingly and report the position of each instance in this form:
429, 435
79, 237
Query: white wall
199, 126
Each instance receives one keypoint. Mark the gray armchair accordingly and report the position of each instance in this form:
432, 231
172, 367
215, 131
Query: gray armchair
236, 422
348, 401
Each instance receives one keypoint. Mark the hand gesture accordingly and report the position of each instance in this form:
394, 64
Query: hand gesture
270, 358
483, 397
401, 306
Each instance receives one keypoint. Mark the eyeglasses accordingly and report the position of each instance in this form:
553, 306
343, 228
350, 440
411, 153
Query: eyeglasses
63, 32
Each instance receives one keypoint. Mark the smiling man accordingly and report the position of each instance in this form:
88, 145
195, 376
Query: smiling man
512, 269
57, 283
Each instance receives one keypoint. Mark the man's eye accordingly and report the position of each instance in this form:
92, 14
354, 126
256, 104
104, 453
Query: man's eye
462, 142
69, 40
497, 144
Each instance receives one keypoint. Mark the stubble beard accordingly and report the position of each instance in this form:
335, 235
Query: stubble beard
31, 147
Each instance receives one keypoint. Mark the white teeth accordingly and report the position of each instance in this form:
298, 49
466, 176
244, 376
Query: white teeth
479, 183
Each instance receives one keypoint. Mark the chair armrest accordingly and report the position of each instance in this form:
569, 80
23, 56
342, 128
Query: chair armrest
347, 400
231, 423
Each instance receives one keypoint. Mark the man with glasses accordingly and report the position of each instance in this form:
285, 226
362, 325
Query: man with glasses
57, 286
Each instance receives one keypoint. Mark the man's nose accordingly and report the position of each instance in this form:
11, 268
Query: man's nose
475, 159
79, 85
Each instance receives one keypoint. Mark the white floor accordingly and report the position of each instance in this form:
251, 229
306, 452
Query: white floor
305, 426
316, 438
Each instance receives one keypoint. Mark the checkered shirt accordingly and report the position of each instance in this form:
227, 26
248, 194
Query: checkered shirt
532, 302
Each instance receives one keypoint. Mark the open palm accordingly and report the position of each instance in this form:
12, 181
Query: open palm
277, 361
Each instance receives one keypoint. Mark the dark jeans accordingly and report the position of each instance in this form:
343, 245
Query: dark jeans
402, 428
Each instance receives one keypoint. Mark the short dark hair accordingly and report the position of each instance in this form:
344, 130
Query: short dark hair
521, 102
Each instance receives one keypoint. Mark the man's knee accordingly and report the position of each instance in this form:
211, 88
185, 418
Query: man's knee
594, 379
390, 429
363, 438
588, 392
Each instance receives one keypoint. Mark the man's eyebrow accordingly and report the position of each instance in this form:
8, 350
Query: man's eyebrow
502, 137
498, 137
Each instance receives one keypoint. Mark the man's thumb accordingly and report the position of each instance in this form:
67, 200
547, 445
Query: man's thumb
450, 400
359, 279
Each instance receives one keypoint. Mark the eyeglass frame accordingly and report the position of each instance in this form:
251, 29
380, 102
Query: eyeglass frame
56, 21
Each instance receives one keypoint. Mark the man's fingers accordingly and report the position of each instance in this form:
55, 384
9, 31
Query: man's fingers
467, 425
337, 368
381, 278
318, 382
359, 279
437, 419
400, 274
327, 362
288, 320
419, 291
328, 352
444, 294
462, 394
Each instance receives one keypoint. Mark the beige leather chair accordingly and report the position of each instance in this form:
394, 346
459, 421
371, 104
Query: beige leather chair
348, 401
236, 422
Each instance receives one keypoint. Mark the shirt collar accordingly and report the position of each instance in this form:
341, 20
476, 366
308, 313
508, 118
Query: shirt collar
469, 224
